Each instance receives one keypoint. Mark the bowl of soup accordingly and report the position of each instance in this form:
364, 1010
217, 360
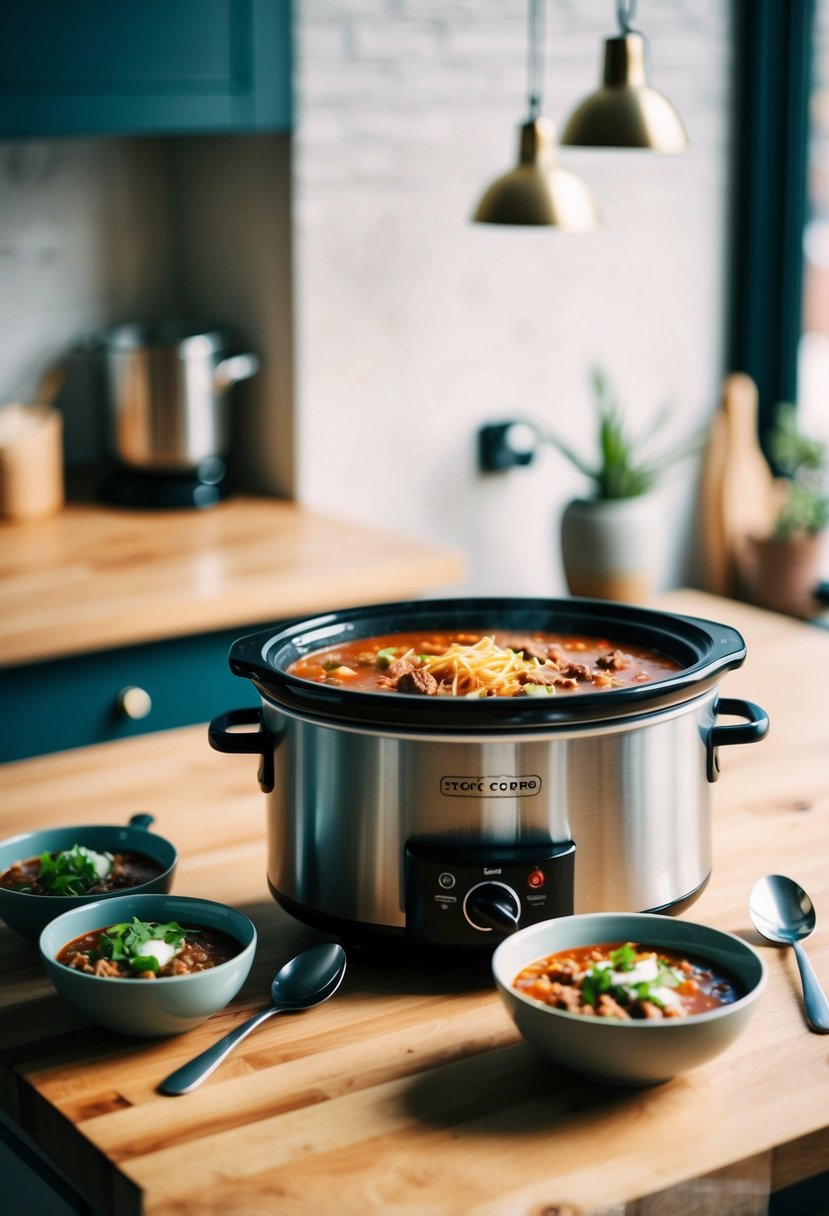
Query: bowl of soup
628, 998
148, 965
42, 873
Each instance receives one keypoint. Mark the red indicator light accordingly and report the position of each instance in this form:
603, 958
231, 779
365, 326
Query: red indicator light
536, 879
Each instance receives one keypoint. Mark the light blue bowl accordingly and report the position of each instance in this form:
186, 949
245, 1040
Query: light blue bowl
28, 914
628, 1052
149, 1008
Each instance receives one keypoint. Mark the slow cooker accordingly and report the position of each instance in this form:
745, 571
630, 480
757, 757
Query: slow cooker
451, 821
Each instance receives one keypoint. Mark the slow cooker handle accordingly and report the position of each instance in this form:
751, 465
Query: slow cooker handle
754, 728
259, 743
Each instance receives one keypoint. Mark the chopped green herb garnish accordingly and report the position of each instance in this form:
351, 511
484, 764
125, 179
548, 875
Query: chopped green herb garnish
623, 959
125, 942
145, 962
70, 872
597, 981
606, 977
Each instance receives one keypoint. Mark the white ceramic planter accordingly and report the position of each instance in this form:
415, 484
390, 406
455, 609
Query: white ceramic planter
610, 548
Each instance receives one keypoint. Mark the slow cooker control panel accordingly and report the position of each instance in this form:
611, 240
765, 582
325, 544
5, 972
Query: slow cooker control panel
468, 895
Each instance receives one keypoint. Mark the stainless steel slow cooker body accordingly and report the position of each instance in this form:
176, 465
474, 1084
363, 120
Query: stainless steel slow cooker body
452, 821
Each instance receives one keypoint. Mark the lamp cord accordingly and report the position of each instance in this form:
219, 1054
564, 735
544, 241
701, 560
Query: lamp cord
535, 67
625, 13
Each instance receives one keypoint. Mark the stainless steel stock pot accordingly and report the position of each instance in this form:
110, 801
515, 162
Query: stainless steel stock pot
453, 821
168, 394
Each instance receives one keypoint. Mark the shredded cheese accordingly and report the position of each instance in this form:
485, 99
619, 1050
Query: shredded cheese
481, 668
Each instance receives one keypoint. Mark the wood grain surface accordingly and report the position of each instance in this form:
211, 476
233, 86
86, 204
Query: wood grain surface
737, 492
94, 577
411, 1091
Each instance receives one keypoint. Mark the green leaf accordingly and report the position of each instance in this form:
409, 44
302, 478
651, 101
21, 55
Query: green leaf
594, 983
125, 941
69, 872
145, 962
624, 959
622, 470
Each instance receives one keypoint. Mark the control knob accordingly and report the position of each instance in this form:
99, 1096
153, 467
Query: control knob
492, 906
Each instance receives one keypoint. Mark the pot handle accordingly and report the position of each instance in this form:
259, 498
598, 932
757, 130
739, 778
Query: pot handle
141, 820
250, 743
754, 728
235, 367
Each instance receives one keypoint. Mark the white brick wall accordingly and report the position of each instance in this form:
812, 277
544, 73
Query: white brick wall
415, 326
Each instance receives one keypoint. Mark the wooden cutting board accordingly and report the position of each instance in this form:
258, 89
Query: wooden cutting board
737, 494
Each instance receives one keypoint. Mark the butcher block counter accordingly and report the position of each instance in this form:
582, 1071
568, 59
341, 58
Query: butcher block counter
94, 577
128, 615
411, 1092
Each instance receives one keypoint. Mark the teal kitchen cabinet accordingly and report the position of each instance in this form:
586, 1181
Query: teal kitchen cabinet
89, 698
107, 67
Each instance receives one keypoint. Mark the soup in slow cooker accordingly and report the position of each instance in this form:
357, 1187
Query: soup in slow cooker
496, 664
625, 980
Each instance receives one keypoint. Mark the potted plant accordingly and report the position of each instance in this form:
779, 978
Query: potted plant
610, 540
784, 566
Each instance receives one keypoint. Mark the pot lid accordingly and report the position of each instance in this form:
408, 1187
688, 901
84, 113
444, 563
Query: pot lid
704, 649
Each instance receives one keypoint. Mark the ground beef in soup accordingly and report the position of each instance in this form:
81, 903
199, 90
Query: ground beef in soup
148, 950
79, 871
625, 980
494, 664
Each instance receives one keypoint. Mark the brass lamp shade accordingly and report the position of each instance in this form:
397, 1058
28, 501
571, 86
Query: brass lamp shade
626, 112
538, 191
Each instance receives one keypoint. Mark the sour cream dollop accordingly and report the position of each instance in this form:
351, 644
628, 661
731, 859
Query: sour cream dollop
161, 951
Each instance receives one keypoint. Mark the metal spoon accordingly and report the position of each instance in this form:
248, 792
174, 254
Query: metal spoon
307, 980
782, 913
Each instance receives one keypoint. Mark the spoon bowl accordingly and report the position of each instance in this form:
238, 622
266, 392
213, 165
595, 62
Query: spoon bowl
783, 913
307, 980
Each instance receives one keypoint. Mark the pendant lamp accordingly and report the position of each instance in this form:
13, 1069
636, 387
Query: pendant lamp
538, 191
626, 112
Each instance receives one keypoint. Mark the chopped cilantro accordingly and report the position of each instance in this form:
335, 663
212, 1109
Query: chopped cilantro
70, 872
600, 978
125, 942
145, 962
623, 959
595, 982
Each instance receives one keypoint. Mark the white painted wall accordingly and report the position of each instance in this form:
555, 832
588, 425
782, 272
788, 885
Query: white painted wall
414, 326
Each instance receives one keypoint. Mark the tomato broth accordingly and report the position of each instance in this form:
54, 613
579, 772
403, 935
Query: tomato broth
483, 664
626, 981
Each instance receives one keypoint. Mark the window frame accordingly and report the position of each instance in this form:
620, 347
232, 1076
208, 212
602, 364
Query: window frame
773, 53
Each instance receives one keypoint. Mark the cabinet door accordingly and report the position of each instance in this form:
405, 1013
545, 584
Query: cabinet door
92, 698
157, 66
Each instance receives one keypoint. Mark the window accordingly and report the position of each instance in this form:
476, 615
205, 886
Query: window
774, 64
813, 339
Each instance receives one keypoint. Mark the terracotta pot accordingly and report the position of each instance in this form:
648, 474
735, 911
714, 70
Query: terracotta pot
610, 548
783, 574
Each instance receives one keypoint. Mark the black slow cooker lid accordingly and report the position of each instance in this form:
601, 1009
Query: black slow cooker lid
704, 649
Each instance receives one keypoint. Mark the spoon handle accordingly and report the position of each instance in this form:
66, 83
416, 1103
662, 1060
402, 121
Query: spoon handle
194, 1071
817, 1005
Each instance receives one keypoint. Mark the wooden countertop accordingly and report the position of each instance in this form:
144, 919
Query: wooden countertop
411, 1092
94, 577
